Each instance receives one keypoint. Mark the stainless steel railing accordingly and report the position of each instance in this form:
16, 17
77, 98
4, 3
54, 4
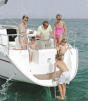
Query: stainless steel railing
73, 37
1, 41
18, 35
7, 39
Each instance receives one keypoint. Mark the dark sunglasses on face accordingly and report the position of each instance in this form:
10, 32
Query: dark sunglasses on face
45, 25
58, 19
26, 20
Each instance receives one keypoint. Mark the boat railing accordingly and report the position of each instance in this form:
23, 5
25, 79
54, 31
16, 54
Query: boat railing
18, 35
72, 37
1, 40
4, 40
70, 33
4, 44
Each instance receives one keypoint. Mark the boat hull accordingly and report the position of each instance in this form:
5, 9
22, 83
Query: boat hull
16, 66
9, 70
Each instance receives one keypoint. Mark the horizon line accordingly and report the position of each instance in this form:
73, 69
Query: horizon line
41, 18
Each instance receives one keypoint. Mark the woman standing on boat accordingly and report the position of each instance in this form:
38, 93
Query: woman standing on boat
22, 30
59, 27
64, 75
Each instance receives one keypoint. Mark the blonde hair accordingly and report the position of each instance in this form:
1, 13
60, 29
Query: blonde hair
59, 15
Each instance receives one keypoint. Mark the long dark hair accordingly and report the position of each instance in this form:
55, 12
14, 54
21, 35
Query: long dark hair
58, 56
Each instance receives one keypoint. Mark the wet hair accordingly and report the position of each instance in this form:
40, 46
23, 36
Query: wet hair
58, 56
45, 22
63, 40
32, 38
25, 16
59, 15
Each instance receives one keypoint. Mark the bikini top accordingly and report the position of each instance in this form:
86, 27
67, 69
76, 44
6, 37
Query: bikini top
23, 29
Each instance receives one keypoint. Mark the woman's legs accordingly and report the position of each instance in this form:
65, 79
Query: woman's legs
55, 43
22, 44
59, 39
26, 40
30, 55
64, 89
60, 90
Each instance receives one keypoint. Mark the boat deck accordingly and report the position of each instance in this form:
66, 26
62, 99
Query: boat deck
47, 76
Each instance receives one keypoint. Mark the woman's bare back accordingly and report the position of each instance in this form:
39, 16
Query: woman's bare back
62, 66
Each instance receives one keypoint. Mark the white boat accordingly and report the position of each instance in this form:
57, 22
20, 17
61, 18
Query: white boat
14, 62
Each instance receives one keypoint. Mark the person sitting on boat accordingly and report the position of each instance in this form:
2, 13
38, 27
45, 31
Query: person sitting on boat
32, 46
62, 48
44, 32
64, 75
59, 27
22, 30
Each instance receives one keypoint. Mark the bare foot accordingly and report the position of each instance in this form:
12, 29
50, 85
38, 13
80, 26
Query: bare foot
59, 97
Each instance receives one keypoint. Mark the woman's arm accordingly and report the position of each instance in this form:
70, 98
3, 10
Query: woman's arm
65, 30
19, 27
54, 74
55, 65
54, 29
37, 46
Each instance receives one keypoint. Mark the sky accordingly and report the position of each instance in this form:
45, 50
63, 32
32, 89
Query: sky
45, 8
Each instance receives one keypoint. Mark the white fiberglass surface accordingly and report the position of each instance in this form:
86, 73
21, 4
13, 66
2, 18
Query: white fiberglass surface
70, 60
46, 60
44, 65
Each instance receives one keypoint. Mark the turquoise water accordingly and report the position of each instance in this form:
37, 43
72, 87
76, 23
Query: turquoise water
77, 90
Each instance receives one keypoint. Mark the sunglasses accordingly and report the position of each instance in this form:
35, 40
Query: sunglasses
45, 25
64, 42
26, 20
58, 19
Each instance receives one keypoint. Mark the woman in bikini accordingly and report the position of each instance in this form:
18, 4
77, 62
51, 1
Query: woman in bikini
64, 75
59, 27
22, 30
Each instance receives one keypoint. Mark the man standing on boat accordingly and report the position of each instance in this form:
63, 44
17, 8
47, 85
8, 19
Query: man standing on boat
44, 32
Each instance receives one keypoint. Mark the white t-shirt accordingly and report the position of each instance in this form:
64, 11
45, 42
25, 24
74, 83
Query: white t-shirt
45, 32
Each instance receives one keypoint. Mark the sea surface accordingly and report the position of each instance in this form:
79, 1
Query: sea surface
77, 90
